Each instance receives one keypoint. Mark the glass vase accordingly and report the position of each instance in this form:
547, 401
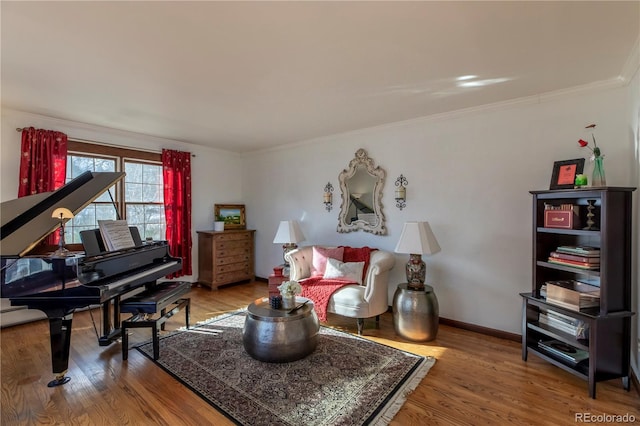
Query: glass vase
598, 179
288, 302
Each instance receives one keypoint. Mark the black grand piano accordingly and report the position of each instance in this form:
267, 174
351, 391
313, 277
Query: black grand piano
60, 285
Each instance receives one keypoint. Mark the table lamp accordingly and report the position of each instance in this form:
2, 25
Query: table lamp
61, 213
288, 234
417, 239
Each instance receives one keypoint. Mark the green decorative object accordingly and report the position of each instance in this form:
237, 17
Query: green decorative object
598, 178
581, 180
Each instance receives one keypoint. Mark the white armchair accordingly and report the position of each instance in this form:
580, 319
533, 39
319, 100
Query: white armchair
353, 301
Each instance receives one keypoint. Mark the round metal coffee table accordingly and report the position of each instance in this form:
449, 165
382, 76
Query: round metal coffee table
279, 335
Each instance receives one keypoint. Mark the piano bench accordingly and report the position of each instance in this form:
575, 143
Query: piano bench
149, 302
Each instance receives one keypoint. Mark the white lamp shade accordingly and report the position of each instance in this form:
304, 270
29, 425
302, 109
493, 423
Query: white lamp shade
289, 232
62, 213
417, 238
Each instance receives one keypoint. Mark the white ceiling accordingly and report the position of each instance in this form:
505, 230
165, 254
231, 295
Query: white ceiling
245, 76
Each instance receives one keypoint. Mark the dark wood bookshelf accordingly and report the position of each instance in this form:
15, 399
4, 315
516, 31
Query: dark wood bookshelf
608, 340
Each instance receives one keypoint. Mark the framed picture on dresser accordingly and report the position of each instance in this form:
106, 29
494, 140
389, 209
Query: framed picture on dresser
233, 215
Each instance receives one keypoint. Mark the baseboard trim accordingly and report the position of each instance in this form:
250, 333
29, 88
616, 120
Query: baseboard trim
262, 280
476, 328
482, 330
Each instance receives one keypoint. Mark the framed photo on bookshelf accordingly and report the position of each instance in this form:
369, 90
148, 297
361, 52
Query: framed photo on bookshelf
564, 173
233, 215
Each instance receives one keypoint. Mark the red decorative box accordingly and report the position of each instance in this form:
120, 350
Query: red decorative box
275, 280
560, 219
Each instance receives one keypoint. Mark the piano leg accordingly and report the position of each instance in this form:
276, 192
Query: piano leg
60, 336
106, 317
110, 330
116, 312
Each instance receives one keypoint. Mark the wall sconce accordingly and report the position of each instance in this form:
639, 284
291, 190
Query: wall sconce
61, 214
328, 196
401, 192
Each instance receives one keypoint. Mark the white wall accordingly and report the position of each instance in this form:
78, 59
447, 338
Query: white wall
215, 173
469, 175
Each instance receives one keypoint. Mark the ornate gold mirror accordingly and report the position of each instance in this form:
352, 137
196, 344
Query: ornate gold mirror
361, 186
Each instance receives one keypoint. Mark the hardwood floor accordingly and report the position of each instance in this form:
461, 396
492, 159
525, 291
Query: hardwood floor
476, 380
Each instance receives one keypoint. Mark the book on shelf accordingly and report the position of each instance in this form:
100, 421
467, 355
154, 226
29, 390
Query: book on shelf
575, 258
564, 351
563, 317
565, 323
573, 295
557, 324
581, 265
543, 291
564, 207
579, 250
572, 287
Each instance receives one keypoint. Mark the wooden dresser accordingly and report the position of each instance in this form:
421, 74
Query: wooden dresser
225, 257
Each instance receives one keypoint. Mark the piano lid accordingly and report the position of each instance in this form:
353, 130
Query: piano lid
26, 221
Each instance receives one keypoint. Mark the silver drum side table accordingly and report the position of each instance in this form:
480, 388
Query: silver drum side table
415, 313
275, 335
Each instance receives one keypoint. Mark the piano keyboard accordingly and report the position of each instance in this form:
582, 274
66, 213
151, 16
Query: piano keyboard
143, 275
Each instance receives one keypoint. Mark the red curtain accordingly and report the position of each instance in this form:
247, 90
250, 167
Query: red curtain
43, 161
43, 164
176, 174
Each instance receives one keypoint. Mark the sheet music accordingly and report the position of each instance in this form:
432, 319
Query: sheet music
116, 234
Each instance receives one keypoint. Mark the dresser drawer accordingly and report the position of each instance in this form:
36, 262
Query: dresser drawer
233, 276
243, 257
233, 236
242, 266
234, 252
230, 245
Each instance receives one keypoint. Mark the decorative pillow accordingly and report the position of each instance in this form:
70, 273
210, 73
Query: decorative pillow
358, 254
320, 256
350, 271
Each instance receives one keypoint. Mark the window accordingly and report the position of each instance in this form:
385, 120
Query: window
139, 198
101, 208
143, 198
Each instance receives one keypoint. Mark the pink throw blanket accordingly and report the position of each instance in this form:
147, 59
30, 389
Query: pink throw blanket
319, 291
